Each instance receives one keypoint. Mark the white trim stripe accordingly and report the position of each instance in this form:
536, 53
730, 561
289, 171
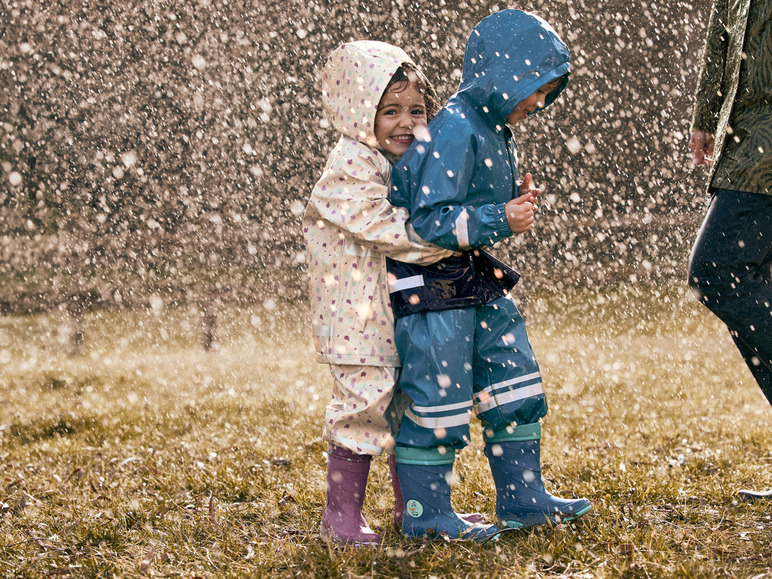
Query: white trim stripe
512, 396
462, 230
445, 408
443, 422
399, 285
519, 380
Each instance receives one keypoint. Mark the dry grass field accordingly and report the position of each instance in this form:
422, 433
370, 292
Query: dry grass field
148, 456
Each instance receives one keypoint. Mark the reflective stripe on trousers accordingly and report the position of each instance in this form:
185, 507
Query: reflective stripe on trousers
464, 361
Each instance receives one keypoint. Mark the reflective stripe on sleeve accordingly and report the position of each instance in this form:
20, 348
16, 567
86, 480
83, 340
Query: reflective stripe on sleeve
462, 230
405, 283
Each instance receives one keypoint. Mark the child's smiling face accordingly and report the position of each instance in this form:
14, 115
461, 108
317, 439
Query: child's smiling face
399, 113
532, 103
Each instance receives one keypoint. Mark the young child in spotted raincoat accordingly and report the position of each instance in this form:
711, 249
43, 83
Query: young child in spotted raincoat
376, 98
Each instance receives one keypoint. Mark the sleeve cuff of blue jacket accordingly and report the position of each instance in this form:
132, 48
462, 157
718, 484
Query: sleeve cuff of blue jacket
424, 456
500, 223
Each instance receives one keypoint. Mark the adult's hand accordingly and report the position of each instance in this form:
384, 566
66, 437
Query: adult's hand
701, 146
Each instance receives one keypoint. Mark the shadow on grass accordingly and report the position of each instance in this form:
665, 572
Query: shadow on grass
67, 425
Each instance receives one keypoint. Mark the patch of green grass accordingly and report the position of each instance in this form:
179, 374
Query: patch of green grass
147, 455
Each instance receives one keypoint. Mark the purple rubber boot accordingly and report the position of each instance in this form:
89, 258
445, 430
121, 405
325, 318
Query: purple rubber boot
342, 521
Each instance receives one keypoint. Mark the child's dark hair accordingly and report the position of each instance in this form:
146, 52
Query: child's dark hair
406, 74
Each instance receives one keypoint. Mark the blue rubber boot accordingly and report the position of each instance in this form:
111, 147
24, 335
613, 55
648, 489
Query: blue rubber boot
521, 499
428, 511
399, 503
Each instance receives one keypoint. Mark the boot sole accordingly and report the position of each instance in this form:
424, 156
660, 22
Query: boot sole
537, 519
330, 537
751, 496
477, 535
471, 518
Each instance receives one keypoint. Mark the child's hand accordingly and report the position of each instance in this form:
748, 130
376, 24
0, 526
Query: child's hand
527, 186
520, 213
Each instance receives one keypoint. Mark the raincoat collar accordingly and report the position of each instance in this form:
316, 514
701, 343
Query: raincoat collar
509, 55
353, 80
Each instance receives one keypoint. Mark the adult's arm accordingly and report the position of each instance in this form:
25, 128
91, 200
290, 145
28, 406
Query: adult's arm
710, 85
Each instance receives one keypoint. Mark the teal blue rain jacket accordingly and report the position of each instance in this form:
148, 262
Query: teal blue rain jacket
456, 185
457, 179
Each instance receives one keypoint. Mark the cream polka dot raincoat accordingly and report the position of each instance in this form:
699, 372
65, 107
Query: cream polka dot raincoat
350, 226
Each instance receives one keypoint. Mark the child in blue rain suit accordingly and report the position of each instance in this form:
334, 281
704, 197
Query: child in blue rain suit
461, 340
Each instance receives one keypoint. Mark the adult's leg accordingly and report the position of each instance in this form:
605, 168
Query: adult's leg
729, 272
760, 369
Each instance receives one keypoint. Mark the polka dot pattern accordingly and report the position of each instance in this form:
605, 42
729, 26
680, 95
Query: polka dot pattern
354, 77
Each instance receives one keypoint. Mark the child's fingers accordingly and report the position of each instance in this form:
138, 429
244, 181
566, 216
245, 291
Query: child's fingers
524, 198
527, 180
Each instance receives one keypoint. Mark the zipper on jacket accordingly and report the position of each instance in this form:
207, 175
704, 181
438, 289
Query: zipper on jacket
510, 140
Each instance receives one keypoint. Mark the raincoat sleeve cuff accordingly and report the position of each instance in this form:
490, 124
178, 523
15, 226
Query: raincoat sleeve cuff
704, 120
500, 224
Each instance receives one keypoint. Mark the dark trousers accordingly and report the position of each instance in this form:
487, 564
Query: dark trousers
731, 273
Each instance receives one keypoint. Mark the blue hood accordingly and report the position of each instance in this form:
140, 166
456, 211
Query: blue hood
509, 55
457, 182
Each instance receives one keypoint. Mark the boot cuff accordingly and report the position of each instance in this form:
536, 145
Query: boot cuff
424, 456
518, 433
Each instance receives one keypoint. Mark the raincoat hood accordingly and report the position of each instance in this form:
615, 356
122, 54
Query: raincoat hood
354, 78
509, 55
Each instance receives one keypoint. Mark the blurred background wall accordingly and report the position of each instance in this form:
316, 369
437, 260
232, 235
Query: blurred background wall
174, 144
